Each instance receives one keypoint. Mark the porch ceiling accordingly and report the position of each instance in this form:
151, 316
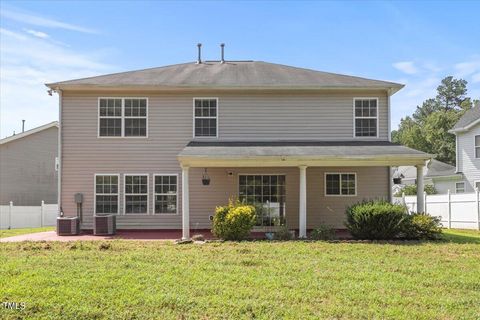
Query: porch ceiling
297, 153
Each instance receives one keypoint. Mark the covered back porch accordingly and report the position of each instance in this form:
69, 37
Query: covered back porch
304, 183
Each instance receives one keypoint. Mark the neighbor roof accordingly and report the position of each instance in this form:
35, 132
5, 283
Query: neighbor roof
468, 120
231, 74
299, 149
440, 169
29, 132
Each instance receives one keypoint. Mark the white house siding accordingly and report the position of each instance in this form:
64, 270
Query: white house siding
242, 116
467, 164
27, 169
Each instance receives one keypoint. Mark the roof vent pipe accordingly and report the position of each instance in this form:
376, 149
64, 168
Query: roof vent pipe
223, 52
199, 60
23, 126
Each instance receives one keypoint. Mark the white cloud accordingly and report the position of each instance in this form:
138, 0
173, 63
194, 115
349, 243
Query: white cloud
423, 84
407, 67
36, 33
466, 68
26, 63
41, 21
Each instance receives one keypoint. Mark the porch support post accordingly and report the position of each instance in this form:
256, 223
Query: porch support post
302, 225
185, 205
420, 187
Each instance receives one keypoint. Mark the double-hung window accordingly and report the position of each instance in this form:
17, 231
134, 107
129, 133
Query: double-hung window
110, 118
366, 117
165, 194
136, 194
460, 187
340, 184
205, 114
122, 117
135, 117
477, 147
106, 194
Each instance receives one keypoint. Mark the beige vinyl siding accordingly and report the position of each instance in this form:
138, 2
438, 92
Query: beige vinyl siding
246, 116
467, 163
27, 169
372, 183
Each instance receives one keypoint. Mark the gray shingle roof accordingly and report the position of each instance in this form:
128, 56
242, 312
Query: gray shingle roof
468, 118
327, 149
231, 74
440, 169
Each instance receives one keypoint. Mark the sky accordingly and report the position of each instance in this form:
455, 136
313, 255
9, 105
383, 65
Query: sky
414, 43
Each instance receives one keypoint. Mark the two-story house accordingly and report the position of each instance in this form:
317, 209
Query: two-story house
28, 173
162, 147
467, 132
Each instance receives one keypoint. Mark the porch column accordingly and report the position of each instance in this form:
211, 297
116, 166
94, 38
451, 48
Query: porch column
185, 205
302, 225
420, 187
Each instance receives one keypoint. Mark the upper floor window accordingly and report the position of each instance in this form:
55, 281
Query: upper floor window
205, 112
122, 117
477, 147
366, 117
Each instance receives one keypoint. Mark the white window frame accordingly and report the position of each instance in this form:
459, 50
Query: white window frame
464, 187
339, 195
216, 118
475, 147
133, 194
263, 174
95, 192
109, 117
122, 136
377, 118
155, 194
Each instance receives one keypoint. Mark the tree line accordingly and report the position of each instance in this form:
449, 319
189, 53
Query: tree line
427, 128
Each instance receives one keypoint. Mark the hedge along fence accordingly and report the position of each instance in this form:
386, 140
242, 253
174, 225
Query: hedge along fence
16, 217
457, 211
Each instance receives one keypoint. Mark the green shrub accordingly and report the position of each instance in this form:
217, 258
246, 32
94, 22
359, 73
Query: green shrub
380, 220
323, 232
421, 226
411, 190
283, 234
233, 221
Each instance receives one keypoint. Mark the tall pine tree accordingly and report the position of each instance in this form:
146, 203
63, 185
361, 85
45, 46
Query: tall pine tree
427, 129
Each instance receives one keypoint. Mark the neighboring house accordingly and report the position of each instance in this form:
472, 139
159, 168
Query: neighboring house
28, 166
439, 174
162, 147
467, 132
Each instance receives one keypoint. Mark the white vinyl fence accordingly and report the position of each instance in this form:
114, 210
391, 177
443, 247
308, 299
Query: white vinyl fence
15, 217
457, 211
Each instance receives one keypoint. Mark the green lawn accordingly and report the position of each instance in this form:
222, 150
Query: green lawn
263, 280
17, 232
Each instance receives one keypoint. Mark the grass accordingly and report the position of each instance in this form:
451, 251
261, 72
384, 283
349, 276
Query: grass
17, 232
263, 280
462, 236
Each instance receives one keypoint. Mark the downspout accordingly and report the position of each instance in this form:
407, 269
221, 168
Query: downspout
59, 150
389, 128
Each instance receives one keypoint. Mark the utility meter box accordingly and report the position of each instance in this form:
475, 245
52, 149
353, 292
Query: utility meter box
78, 197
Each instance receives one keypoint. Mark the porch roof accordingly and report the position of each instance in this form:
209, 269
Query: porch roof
295, 153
